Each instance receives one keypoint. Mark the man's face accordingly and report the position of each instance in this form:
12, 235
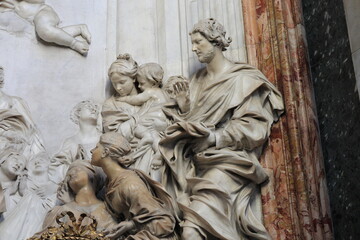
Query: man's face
204, 49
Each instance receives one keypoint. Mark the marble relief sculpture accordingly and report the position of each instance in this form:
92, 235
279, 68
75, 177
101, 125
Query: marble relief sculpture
86, 115
211, 150
145, 210
185, 150
46, 22
39, 196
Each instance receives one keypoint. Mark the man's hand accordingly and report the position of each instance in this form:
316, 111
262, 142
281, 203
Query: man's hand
181, 91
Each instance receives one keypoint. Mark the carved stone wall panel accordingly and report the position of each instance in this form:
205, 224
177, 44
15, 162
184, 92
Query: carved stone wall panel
50, 78
161, 33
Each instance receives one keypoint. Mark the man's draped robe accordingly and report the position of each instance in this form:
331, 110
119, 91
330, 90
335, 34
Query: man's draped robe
217, 188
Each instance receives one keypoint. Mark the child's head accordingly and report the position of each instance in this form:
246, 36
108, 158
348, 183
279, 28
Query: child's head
149, 75
170, 83
112, 145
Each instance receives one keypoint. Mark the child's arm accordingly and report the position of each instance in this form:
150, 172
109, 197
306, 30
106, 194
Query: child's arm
137, 100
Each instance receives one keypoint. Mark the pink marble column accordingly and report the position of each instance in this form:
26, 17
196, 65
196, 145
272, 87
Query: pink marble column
295, 201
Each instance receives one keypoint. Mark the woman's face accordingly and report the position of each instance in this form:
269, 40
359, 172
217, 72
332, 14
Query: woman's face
97, 154
78, 178
123, 85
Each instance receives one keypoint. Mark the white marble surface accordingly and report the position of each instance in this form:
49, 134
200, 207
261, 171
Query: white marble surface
53, 79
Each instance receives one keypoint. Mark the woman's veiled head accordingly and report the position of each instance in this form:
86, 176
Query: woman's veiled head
122, 74
112, 145
80, 174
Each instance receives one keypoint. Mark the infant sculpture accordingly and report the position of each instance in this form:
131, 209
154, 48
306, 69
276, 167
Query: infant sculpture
46, 22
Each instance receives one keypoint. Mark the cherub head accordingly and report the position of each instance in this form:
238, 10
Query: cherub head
112, 145
149, 75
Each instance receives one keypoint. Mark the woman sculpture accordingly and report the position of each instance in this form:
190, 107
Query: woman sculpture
78, 192
212, 149
146, 211
130, 120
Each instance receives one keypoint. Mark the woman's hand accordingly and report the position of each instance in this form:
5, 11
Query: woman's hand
120, 229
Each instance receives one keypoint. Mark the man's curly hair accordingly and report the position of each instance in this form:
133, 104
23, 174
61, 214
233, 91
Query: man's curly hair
213, 31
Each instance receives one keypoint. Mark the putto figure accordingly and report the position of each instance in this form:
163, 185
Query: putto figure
46, 22
221, 122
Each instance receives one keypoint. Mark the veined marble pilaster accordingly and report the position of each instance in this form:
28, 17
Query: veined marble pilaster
295, 201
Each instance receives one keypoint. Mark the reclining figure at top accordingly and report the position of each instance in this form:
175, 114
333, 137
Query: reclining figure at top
46, 22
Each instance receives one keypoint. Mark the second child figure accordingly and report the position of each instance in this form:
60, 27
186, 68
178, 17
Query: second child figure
153, 121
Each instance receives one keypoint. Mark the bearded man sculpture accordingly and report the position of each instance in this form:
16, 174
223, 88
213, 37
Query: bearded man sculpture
220, 124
